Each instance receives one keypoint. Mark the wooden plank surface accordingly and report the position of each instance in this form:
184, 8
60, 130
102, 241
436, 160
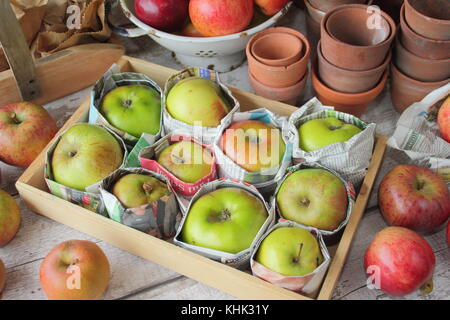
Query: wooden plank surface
136, 278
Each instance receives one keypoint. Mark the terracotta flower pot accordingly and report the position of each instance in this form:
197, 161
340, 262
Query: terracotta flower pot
419, 68
429, 18
353, 103
313, 33
278, 77
278, 49
326, 5
405, 90
289, 95
349, 43
349, 81
421, 46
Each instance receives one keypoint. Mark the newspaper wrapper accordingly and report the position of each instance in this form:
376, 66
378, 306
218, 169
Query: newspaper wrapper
239, 260
350, 158
90, 198
159, 219
328, 235
417, 134
264, 181
307, 284
148, 156
112, 79
204, 134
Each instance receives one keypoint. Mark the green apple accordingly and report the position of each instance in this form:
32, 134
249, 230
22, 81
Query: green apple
135, 109
134, 190
9, 218
197, 101
186, 160
84, 155
290, 252
313, 197
253, 145
227, 219
319, 133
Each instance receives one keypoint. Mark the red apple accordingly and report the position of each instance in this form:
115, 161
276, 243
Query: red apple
190, 31
2, 276
9, 218
270, 7
399, 260
443, 119
165, 15
75, 270
25, 130
414, 197
220, 17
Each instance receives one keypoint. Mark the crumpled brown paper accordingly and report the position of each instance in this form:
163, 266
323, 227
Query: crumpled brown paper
44, 25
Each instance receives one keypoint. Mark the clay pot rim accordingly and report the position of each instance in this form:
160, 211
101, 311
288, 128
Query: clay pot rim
423, 16
310, 6
297, 84
386, 17
399, 44
343, 97
303, 39
382, 66
418, 82
405, 26
278, 61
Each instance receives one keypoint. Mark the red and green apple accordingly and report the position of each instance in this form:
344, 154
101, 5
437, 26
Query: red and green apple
9, 218
270, 7
443, 119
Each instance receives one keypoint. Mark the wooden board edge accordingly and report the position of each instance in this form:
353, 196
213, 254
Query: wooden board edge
340, 257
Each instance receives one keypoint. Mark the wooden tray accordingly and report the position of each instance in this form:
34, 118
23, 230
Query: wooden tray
34, 192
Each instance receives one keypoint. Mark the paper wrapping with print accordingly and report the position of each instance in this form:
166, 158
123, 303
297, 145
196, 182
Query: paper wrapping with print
308, 284
159, 219
350, 158
239, 260
264, 181
351, 195
112, 79
90, 198
417, 134
148, 156
204, 134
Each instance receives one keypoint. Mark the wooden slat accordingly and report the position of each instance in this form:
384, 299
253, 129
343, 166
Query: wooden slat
64, 72
18, 54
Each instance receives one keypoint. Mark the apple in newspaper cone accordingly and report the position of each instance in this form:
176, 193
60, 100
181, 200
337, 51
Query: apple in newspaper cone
197, 101
226, 219
313, 197
221, 17
290, 251
319, 133
253, 145
399, 261
135, 109
414, 197
25, 129
187, 160
85, 155
443, 119
75, 270
9, 218
134, 190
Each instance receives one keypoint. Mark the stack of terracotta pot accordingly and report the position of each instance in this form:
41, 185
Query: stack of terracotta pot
314, 13
352, 57
421, 61
278, 64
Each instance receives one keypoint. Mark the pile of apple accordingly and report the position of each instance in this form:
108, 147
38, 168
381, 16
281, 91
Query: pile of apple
203, 18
